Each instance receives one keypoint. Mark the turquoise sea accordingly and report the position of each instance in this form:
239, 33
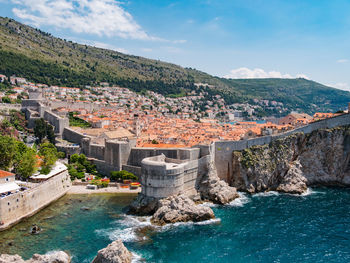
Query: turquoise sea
268, 227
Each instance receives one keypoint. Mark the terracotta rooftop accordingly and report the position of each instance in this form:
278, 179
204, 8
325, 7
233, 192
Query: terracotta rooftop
5, 174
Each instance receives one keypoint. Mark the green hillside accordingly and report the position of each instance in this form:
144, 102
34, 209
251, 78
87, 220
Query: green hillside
40, 57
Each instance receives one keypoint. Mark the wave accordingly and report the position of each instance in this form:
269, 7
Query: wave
189, 223
266, 194
311, 191
136, 258
128, 234
240, 201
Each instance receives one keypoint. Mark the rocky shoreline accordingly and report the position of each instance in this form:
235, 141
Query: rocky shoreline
53, 257
115, 252
183, 207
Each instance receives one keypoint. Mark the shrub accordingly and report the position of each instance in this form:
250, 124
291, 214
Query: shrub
61, 155
122, 175
45, 170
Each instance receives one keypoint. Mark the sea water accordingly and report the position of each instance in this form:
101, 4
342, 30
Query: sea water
268, 227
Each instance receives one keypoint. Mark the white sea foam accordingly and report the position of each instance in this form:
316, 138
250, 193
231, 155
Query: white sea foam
241, 200
127, 234
208, 204
136, 258
266, 194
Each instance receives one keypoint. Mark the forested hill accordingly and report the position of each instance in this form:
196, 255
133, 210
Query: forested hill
40, 57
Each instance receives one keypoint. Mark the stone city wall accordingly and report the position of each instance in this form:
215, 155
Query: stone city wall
162, 177
72, 135
56, 121
5, 107
77, 105
223, 149
138, 154
17, 206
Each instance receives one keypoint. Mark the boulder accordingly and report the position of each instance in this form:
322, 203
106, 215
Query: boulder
213, 189
4, 258
52, 257
180, 209
143, 206
293, 182
115, 252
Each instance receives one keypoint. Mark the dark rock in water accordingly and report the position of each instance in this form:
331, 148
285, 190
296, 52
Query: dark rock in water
115, 252
143, 205
85, 208
180, 209
54, 257
35, 229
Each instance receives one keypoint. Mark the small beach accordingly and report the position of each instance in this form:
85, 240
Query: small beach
81, 189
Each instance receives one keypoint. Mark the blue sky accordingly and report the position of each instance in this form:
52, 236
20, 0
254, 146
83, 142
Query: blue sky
233, 38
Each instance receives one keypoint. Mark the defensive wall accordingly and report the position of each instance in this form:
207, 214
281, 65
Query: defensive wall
223, 149
77, 105
15, 207
5, 107
162, 176
34, 109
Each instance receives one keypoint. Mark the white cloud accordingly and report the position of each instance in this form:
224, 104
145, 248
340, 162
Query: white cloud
340, 85
258, 73
108, 46
99, 17
146, 49
181, 41
343, 60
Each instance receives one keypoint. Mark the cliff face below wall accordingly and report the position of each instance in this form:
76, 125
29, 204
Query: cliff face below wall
292, 163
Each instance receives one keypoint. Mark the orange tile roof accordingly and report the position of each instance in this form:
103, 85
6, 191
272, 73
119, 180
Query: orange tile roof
4, 174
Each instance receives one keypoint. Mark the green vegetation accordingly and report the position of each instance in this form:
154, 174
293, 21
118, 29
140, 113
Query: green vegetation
44, 130
40, 57
49, 154
79, 165
16, 156
122, 175
77, 122
100, 183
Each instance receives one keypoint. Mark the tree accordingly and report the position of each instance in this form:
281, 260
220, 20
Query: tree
26, 166
40, 129
49, 154
44, 130
74, 158
6, 99
50, 133
8, 152
122, 175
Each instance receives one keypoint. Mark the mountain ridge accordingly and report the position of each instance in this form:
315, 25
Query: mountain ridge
41, 57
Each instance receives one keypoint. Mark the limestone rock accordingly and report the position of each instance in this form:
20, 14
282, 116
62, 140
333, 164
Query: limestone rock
292, 163
215, 190
293, 182
180, 209
4, 258
115, 252
53, 257
143, 205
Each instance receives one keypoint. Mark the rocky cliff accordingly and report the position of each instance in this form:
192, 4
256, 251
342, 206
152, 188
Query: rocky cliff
295, 162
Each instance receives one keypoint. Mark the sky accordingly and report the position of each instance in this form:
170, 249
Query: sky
226, 38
